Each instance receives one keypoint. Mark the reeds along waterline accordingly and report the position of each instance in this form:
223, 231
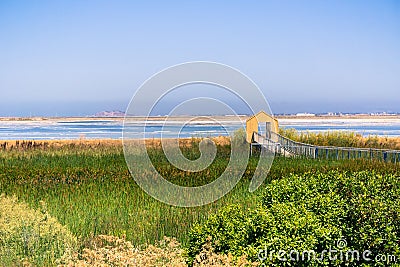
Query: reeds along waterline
342, 139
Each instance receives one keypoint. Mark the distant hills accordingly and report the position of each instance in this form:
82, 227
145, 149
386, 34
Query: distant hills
115, 113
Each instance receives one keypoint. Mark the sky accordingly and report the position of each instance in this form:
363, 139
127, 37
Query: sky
76, 58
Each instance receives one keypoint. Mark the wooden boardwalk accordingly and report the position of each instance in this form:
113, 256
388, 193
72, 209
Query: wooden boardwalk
282, 146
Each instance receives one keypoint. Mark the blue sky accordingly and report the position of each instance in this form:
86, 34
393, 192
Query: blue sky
81, 57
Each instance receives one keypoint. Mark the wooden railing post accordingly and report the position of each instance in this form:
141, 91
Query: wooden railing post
293, 148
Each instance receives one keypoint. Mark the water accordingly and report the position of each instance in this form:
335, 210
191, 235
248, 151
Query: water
366, 127
100, 129
106, 129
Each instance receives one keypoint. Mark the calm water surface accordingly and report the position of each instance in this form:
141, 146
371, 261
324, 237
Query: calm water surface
97, 129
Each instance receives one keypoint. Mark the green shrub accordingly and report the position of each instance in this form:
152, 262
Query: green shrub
310, 212
30, 237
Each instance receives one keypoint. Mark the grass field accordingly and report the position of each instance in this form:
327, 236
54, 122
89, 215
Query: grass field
87, 187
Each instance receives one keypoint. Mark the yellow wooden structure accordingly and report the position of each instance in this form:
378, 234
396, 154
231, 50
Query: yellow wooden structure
261, 123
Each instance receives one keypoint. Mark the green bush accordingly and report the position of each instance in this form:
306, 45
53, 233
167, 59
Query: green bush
310, 212
30, 237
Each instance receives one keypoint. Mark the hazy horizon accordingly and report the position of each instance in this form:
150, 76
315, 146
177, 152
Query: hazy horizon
90, 109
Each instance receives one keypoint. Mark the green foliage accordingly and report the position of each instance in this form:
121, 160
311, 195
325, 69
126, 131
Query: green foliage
31, 237
310, 212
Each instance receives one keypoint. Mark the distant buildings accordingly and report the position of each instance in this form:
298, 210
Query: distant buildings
305, 115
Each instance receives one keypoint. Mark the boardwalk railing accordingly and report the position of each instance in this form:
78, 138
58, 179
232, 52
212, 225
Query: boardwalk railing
284, 146
265, 143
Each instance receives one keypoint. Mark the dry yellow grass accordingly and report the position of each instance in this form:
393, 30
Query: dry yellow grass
208, 258
24, 145
112, 251
28, 144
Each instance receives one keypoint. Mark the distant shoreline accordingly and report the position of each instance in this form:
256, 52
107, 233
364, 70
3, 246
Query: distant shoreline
197, 118
329, 117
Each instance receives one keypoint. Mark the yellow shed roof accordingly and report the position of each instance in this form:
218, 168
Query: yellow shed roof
261, 113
